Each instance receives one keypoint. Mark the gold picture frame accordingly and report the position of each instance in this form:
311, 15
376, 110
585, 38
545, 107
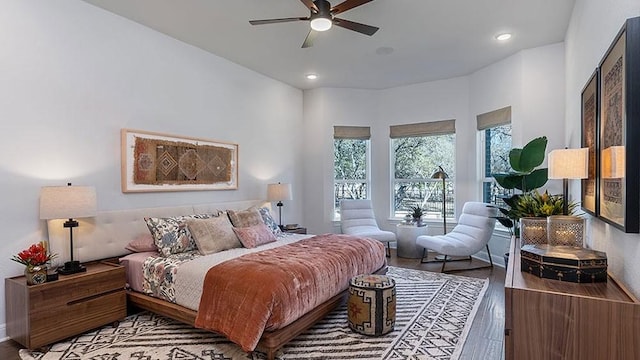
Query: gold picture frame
153, 162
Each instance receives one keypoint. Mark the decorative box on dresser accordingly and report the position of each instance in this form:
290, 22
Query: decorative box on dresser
39, 315
551, 319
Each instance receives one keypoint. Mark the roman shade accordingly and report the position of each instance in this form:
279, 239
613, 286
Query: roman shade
494, 118
352, 132
441, 127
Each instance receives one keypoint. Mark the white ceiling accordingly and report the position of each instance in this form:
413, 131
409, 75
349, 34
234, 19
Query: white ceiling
418, 40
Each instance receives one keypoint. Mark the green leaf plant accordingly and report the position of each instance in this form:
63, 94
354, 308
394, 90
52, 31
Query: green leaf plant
526, 178
417, 212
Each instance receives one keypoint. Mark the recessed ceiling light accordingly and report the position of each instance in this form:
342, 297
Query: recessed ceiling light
503, 36
384, 50
312, 76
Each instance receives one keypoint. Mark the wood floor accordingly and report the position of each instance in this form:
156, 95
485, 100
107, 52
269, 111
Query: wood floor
485, 340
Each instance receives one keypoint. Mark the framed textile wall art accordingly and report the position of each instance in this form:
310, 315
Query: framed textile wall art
619, 135
159, 162
589, 101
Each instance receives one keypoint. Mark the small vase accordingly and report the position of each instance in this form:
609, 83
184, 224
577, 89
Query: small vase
35, 274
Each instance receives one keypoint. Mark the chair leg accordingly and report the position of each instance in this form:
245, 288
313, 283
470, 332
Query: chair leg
474, 268
424, 254
444, 262
489, 254
388, 249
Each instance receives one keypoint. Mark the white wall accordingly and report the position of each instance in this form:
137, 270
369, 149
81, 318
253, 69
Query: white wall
593, 27
72, 75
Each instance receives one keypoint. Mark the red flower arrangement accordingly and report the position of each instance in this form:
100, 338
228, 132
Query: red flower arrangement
35, 255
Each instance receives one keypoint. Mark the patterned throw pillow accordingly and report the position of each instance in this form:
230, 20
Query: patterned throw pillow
269, 221
253, 236
245, 218
213, 235
171, 235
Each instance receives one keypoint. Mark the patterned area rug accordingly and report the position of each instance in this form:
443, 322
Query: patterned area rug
434, 315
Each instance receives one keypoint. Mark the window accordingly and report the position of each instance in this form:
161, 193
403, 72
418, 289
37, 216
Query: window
418, 150
350, 164
495, 135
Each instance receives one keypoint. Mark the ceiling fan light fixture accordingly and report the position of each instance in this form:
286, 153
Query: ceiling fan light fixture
321, 23
503, 36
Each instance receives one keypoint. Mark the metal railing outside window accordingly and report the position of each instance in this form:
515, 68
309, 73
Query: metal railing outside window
426, 193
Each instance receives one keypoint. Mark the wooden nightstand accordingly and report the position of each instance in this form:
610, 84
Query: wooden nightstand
300, 230
39, 315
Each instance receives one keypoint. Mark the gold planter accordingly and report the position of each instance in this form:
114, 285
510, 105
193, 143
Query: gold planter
35, 274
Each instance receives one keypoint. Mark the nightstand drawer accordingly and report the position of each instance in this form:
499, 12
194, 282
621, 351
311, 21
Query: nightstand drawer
60, 293
77, 317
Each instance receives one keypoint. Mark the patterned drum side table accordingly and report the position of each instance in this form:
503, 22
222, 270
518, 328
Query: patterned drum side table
372, 304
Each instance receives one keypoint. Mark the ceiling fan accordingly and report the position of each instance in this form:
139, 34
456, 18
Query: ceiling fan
322, 17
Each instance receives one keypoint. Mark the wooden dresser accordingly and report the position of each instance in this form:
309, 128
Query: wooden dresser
39, 315
550, 319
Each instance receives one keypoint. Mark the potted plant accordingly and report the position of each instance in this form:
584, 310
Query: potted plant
34, 259
524, 177
416, 213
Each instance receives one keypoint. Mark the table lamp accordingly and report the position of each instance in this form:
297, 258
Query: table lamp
68, 202
568, 164
278, 192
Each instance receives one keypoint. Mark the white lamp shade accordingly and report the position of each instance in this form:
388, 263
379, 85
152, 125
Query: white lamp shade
613, 162
321, 23
569, 164
67, 202
278, 192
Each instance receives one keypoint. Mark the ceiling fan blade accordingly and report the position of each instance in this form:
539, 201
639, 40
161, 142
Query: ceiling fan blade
352, 25
273, 21
308, 41
309, 4
347, 5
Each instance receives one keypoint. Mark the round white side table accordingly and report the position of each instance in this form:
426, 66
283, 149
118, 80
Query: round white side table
406, 236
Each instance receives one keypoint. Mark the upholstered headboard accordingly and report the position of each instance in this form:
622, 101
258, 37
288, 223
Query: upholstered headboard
106, 234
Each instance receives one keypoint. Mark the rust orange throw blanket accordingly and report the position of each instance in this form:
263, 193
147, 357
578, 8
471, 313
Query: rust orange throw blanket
270, 289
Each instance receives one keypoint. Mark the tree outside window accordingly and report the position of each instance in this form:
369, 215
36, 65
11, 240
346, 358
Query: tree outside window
350, 168
497, 144
415, 160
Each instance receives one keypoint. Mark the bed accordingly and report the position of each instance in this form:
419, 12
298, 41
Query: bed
114, 230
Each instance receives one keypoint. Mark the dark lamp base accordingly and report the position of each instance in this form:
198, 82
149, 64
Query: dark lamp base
71, 267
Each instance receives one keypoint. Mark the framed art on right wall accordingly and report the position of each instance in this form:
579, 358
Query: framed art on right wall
619, 131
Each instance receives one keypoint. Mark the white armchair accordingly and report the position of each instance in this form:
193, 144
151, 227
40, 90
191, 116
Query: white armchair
357, 218
472, 233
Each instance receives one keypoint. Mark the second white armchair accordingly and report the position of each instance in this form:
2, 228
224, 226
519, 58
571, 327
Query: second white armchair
357, 218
